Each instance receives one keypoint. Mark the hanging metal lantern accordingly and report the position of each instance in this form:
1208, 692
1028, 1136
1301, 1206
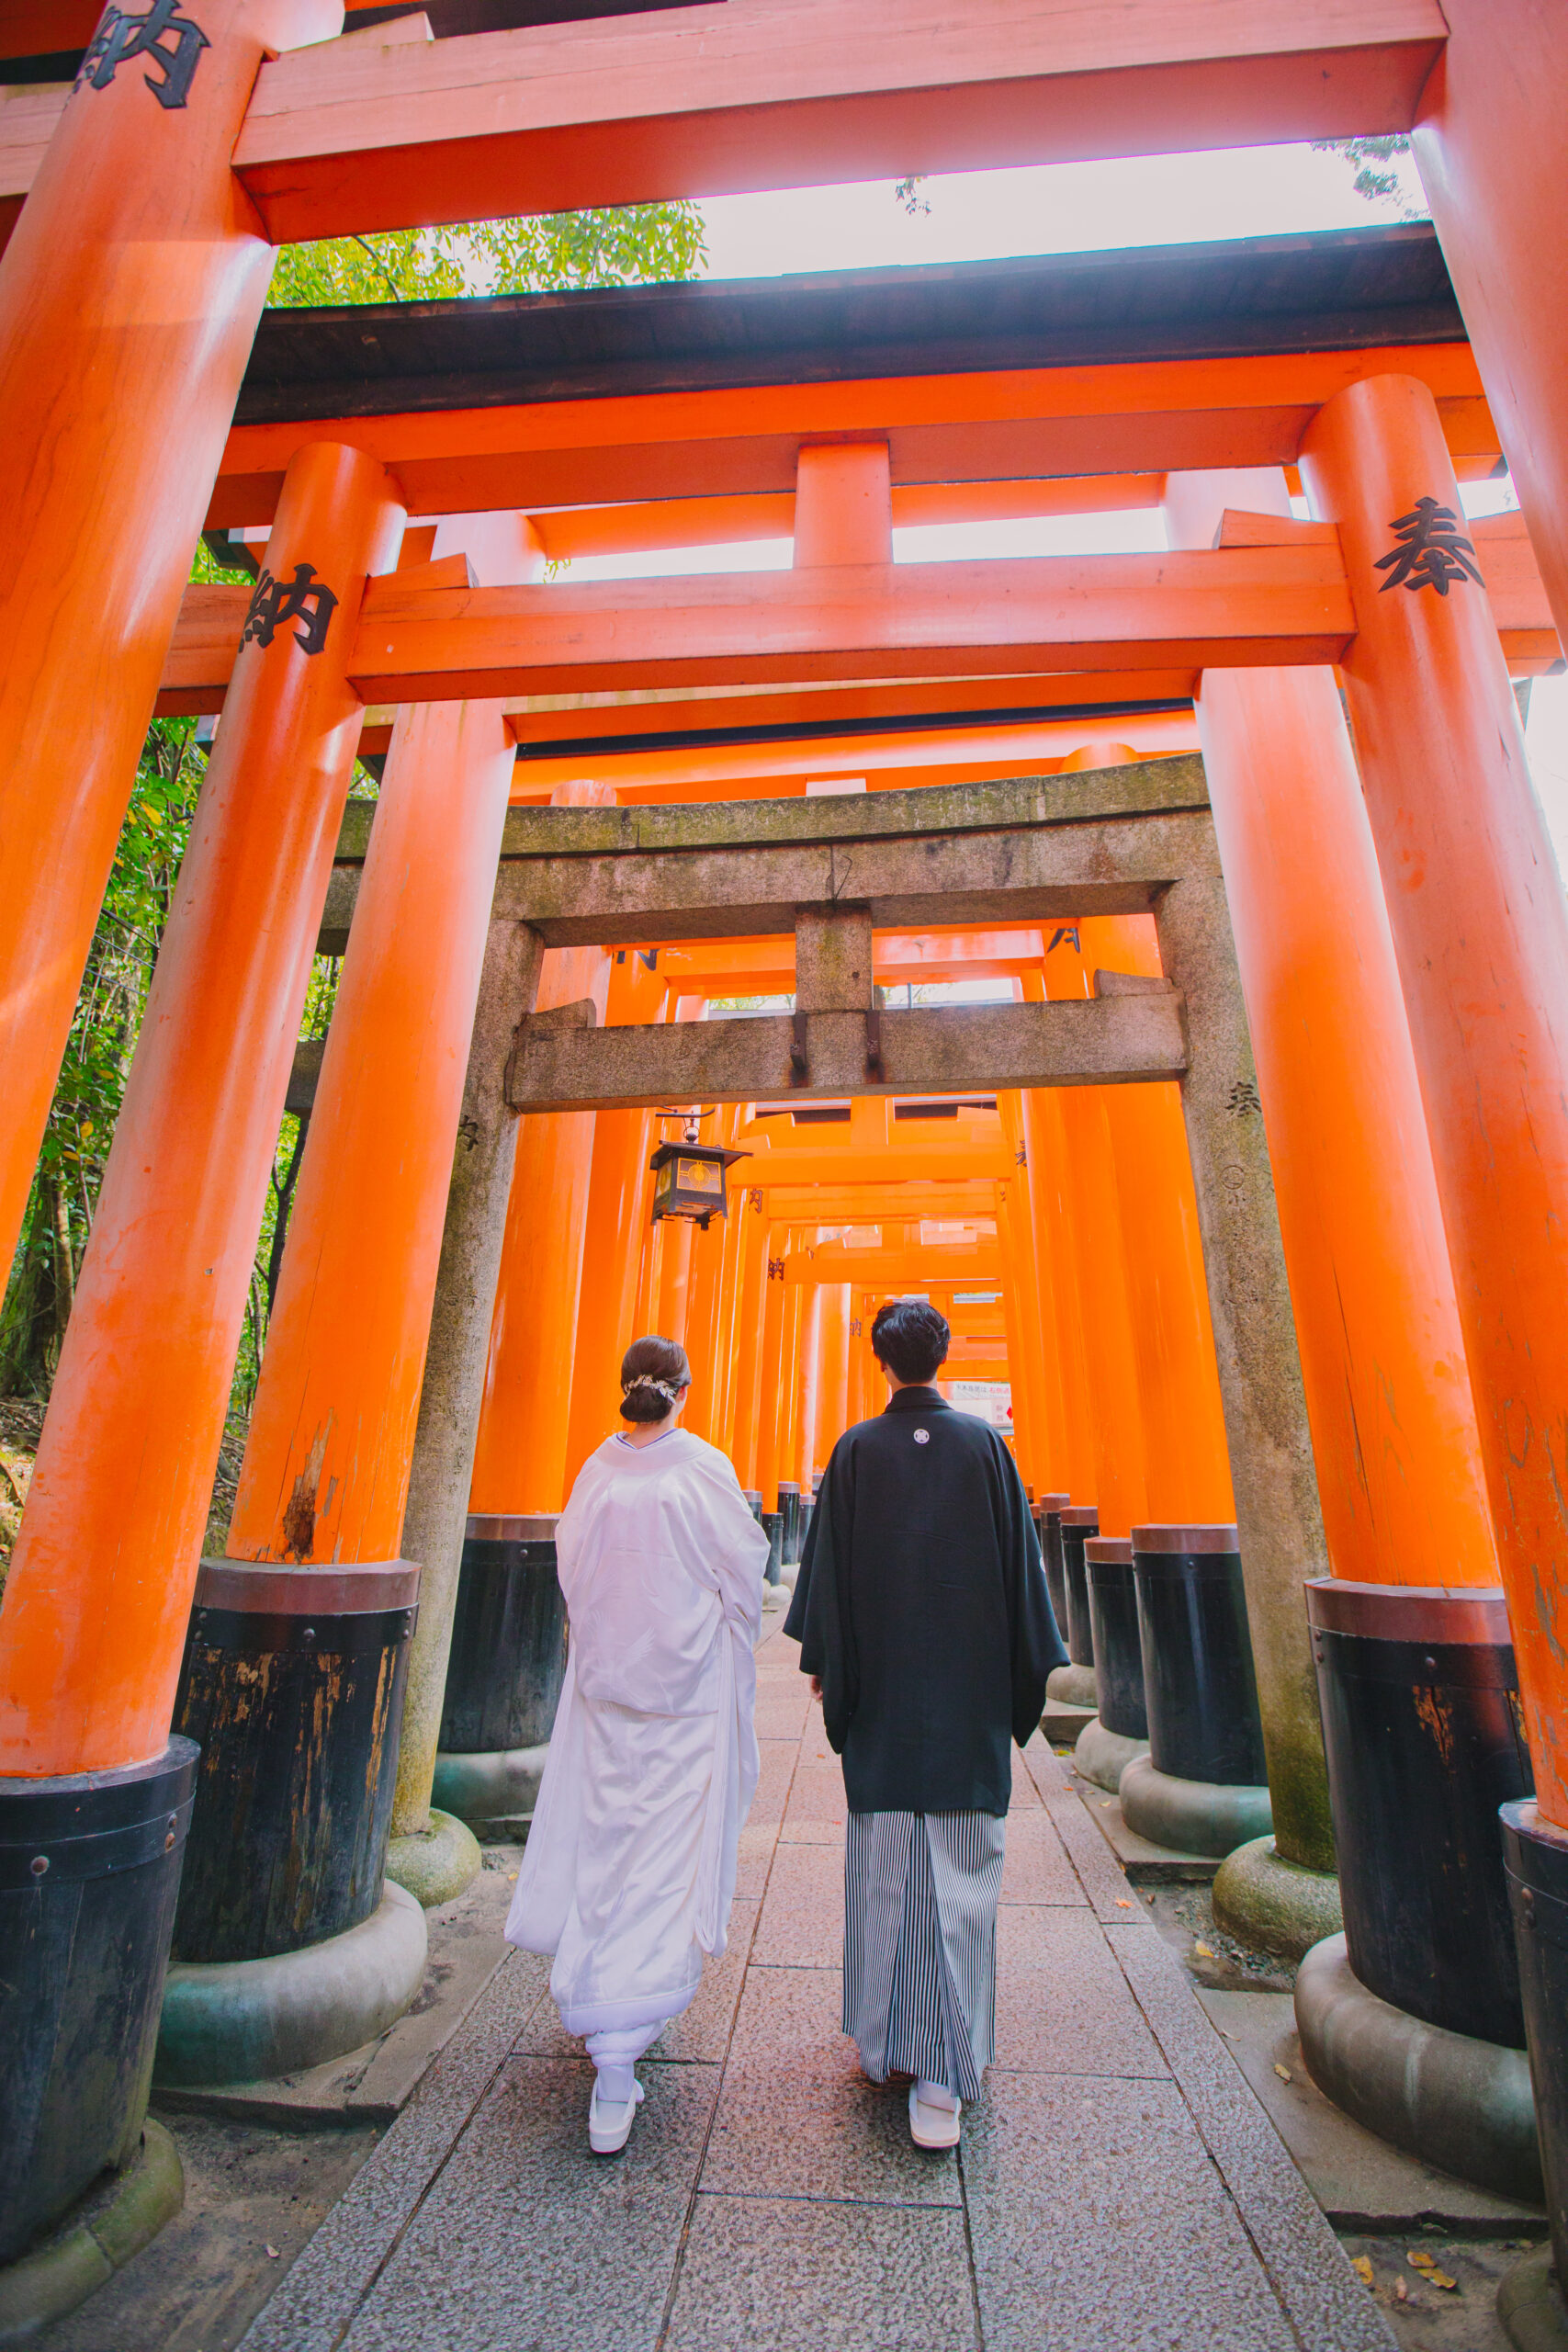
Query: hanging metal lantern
688, 1178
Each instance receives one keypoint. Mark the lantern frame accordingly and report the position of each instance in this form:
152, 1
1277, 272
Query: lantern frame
697, 1201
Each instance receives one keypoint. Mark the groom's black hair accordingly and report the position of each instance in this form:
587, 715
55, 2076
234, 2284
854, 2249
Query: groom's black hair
911, 1338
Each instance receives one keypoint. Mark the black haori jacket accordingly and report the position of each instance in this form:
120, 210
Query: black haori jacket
922, 1605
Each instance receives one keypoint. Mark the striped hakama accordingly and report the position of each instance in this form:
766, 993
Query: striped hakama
920, 1944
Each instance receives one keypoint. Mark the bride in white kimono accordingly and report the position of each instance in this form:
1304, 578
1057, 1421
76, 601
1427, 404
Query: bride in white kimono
628, 1874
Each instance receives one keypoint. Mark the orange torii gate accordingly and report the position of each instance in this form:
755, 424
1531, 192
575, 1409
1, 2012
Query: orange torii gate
128, 295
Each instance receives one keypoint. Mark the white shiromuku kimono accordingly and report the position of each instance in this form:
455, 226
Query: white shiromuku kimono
629, 1871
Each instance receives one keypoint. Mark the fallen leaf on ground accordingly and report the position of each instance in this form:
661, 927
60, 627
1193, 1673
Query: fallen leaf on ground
1401, 2292
1204, 1952
272, 2253
1283, 2072
1362, 2266
1122, 1904
1435, 2278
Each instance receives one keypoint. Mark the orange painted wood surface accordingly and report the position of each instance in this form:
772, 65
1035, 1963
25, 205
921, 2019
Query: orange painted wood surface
762, 93
1083, 613
519, 1451
331, 1440
1481, 932
1491, 138
984, 427
1382, 1356
96, 1605
129, 298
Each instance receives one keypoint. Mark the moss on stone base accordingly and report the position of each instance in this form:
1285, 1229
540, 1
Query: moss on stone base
121, 2217
435, 1865
1273, 1906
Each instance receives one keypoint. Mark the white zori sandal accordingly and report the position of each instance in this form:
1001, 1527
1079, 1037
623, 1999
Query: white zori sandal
934, 2115
610, 2120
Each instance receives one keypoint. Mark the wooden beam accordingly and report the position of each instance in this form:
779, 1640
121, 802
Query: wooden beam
1255, 606
713, 715
945, 1262
567, 532
759, 94
1079, 422
1117, 1041
874, 1202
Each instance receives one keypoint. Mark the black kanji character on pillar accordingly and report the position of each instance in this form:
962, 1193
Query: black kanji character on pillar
1432, 551
171, 42
303, 598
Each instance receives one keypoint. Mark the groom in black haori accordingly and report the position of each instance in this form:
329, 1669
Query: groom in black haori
925, 1625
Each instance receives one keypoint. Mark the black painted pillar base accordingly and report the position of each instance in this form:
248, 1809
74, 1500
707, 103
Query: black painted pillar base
89, 1874
1418, 1692
1535, 1857
1076, 1524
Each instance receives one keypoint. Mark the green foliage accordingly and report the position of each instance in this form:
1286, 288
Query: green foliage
618, 245
97, 1056
1377, 186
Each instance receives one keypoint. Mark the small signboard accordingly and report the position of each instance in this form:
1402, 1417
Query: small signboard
988, 1400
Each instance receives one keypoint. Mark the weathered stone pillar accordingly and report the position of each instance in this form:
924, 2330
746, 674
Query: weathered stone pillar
455, 1370
1277, 1511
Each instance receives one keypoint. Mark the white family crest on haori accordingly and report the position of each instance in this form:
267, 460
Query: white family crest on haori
629, 1875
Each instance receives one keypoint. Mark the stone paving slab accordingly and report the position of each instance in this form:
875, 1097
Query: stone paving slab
796, 2117
780, 1707
818, 1811
1062, 2005
1099, 2221
774, 1777
1311, 2273
777, 2276
803, 1916
1036, 1869
344, 2259
527, 2240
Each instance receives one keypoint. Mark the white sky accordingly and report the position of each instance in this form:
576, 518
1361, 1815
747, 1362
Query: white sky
1062, 207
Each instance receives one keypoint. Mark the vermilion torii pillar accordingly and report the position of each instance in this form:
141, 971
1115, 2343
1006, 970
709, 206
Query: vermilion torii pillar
519, 1454
129, 299
1491, 139
1480, 930
617, 1214
1055, 1265
1115, 1412
94, 1622
833, 1375
326, 1469
1186, 1459
751, 1305
771, 1414
1382, 1354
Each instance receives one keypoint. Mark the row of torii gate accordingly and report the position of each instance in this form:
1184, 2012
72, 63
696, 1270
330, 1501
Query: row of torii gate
1399, 926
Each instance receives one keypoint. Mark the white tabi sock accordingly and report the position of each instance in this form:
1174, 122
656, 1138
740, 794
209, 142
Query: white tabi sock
616, 2085
937, 2095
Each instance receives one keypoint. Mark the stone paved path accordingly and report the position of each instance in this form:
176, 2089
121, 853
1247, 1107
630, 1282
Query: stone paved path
1119, 2186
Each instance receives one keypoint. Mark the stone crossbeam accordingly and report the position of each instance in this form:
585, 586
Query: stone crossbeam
1120, 1041
1037, 847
